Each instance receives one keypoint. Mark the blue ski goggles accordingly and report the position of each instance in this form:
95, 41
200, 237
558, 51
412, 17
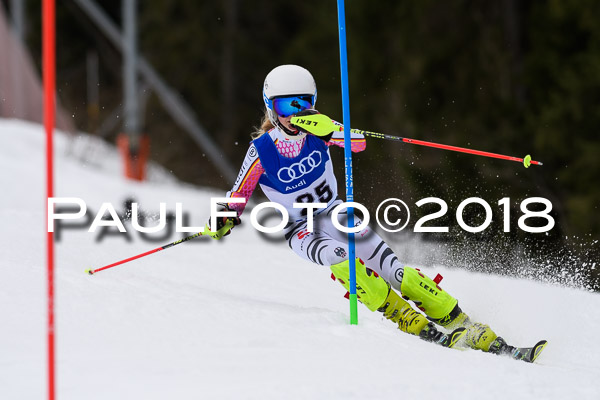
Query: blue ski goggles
290, 105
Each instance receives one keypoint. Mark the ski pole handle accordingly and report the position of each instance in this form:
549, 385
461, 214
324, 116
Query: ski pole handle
195, 235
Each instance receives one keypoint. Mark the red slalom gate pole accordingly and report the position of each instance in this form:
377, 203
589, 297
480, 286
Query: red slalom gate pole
526, 160
49, 76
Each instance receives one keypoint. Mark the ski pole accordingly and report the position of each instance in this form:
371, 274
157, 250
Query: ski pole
527, 161
195, 235
320, 125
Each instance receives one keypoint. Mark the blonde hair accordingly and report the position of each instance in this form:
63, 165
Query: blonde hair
265, 126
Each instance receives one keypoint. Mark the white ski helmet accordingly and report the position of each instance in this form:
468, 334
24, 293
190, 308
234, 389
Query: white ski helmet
288, 80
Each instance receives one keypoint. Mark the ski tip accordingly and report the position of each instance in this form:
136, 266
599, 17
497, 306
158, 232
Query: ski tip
89, 271
537, 350
455, 336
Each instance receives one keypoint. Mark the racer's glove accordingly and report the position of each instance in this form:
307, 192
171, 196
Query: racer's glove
224, 224
315, 123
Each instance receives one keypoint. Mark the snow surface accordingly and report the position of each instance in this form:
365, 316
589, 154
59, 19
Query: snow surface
242, 318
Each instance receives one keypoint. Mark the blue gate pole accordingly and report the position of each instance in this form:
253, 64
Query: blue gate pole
348, 159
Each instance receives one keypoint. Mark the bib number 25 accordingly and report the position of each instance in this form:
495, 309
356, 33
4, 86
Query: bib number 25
322, 191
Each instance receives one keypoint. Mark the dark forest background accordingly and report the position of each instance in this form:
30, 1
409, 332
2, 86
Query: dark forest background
507, 76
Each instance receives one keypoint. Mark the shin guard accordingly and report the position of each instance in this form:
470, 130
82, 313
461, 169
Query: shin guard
376, 294
371, 289
428, 296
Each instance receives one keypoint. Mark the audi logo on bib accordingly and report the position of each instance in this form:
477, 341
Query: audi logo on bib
301, 168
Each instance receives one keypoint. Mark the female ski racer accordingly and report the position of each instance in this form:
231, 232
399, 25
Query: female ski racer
294, 166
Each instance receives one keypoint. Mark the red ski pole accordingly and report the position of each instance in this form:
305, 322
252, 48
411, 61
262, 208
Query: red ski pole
321, 125
195, 235
527, 161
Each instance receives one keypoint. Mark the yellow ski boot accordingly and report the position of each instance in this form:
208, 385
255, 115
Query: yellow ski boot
480, 337
377, 295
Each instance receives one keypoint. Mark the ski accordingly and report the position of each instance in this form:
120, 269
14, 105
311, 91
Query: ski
431, 334
450, 339
527, 354
499, 346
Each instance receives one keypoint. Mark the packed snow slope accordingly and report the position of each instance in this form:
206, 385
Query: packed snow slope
243, 318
